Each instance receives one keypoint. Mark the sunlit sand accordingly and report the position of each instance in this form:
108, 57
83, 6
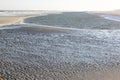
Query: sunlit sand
116, 12
10, 20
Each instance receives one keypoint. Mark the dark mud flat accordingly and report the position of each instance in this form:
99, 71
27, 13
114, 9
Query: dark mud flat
81, 20
75, 55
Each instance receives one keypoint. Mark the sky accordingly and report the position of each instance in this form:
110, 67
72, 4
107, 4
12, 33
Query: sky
62, 5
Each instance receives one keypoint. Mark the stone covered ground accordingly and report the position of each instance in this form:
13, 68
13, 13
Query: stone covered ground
32, 53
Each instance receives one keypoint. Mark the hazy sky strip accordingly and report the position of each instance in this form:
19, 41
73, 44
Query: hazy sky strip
72, 5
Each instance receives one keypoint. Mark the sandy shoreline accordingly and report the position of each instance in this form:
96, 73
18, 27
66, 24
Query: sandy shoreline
117, 12
10, 20
19, 19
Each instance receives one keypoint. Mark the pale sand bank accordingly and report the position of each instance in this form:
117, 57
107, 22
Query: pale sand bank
10, 20
16, 17
109, 12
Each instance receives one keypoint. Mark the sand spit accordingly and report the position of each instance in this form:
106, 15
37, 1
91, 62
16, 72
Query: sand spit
17, 17
10, 20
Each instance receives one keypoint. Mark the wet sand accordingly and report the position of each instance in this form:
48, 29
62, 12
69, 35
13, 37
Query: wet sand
45, 29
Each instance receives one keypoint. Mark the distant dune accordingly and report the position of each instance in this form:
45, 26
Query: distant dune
114, 12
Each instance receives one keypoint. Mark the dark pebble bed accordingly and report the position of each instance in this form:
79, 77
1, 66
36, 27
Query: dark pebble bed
33, 53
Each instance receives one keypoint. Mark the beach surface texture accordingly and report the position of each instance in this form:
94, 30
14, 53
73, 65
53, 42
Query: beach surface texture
38, 51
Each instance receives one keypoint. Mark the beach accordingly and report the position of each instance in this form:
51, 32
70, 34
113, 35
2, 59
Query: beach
39, 52
115, 12
17, 17
27, 54
10, 20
